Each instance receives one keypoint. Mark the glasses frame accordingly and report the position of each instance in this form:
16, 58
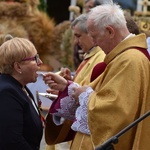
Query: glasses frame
36, 58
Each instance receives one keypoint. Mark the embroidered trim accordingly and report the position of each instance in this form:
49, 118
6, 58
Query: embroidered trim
68, 105
81, 122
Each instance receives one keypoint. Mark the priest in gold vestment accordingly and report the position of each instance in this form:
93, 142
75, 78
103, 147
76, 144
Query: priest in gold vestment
93, 55
118, 96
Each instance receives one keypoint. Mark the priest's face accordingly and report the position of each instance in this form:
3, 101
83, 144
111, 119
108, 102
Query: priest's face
100, 37
84, 40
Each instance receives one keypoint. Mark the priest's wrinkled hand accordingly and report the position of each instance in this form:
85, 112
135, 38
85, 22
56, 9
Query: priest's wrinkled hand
78, 91
55, 81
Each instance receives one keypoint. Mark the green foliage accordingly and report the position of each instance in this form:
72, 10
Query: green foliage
42, 6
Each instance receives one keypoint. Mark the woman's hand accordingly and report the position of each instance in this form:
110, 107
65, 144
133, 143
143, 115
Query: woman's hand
55, 81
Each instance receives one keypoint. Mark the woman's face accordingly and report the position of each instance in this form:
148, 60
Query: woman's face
29, 67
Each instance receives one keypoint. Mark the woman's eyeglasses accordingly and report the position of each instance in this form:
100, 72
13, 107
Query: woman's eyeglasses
36, 58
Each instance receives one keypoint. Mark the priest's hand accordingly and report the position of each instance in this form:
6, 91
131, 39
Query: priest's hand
55, 81
78, 91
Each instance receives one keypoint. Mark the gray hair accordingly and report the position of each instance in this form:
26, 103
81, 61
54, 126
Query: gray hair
107, 14
80, 22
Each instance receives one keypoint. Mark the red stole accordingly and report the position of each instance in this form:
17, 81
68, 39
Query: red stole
100, 67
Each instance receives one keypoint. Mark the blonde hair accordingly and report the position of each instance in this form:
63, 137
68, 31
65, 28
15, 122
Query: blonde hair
14, 50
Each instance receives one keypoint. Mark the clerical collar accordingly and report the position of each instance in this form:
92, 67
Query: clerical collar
88, 52
130, 35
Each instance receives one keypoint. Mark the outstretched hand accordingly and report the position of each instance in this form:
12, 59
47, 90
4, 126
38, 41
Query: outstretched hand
55, 81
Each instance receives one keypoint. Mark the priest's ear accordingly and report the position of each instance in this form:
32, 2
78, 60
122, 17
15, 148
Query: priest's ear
110, 31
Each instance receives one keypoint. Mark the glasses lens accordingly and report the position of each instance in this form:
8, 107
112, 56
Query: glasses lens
37, 58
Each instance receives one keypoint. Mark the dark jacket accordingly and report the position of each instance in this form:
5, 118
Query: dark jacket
20, 125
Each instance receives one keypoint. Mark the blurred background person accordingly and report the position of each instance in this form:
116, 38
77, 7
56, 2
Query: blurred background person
93, 3
131, 24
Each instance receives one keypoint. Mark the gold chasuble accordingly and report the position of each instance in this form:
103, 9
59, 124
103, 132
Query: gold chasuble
82, 77
83, 73
121, 95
